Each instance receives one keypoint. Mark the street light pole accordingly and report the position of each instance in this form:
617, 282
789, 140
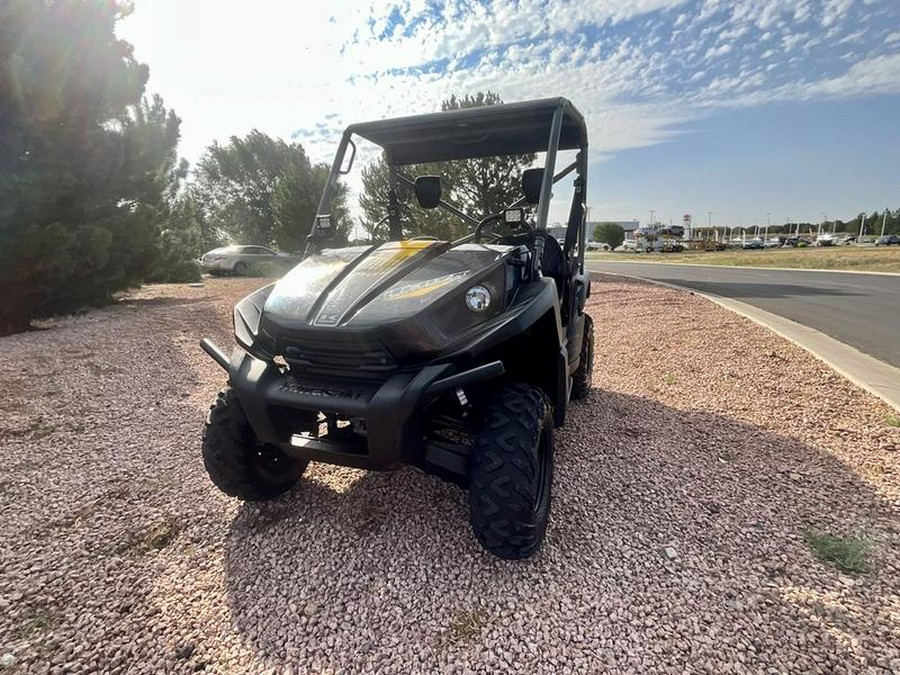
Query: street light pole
709, 223
862, 225
884, 221
768, 225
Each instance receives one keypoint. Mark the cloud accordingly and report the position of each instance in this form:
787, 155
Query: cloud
639, 69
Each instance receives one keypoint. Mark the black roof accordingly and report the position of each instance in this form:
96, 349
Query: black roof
503, 129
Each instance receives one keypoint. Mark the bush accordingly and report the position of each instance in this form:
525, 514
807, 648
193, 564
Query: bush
182, 272
802, 244
271, 269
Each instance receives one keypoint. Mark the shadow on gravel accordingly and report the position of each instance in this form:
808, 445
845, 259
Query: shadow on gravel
329, 579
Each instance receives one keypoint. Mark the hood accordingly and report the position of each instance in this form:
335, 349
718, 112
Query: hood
363, 286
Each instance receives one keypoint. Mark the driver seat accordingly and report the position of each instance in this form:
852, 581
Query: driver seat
553, 263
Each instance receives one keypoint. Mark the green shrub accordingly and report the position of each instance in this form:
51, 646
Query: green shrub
182, 272
802, 244
848, 554
271, 269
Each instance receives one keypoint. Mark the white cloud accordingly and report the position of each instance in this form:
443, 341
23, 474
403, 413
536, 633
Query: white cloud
315, 67
720, 50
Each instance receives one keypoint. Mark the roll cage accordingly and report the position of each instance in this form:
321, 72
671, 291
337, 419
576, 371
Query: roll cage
544, 125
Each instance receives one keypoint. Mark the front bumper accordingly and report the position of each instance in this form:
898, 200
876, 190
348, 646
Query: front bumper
275, 403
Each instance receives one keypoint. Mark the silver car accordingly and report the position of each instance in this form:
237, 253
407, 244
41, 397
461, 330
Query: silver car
236, 259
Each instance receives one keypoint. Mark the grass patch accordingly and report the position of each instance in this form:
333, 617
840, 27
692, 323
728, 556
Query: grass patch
848, 554
671, 378
851, 258
466, 625
892, 420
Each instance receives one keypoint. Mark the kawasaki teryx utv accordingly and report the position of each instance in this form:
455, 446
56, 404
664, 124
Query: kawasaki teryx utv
455, 357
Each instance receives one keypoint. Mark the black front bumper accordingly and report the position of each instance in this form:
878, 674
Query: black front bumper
390, 409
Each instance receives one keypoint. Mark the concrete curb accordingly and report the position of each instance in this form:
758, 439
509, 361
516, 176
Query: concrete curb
876, 377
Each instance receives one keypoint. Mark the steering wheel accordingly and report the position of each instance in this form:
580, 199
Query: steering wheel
483, 224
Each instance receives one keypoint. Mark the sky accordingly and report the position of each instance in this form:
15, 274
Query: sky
755, 110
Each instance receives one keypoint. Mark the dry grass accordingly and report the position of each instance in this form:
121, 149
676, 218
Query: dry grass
466, 625
851, 258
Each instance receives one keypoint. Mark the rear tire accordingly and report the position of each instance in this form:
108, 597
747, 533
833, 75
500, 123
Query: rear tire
582, 378
511, 473
237, 463
240, 268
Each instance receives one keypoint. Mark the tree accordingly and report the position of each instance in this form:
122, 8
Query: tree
84, 161
609, 233
260, 190
476, 186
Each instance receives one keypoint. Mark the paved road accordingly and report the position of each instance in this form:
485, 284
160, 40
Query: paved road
861, 310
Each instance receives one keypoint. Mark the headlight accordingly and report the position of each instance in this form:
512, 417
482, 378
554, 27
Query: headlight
478, 298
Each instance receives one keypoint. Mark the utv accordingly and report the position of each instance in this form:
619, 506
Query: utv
457, 357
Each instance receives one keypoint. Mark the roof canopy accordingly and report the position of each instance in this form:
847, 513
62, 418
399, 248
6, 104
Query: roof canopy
504, 129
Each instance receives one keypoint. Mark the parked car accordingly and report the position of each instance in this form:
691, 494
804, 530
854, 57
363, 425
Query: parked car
888, 240
825, 239
847, 239
755, 243
236, 259
597, 246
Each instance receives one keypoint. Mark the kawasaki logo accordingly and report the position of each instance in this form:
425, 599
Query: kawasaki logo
297, 388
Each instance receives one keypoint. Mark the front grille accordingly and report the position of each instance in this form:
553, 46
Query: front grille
370, 364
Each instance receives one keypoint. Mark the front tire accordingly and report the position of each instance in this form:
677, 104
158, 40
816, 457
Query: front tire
582, 378
240, 268
511, 473
237, 463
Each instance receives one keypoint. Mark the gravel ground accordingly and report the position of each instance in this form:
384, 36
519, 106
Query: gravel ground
705, 434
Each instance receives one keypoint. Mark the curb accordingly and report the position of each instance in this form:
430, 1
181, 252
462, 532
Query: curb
876, 377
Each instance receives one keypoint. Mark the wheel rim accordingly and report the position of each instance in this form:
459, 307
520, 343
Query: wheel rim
270, 462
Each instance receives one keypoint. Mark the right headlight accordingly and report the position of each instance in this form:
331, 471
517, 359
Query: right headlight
478, 298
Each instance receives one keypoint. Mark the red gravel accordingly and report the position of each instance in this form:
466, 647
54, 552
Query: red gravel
706, 434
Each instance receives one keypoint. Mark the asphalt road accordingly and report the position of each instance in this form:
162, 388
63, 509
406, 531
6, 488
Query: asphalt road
860, 310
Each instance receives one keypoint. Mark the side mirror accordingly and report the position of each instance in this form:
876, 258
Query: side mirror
428, 191
532, 180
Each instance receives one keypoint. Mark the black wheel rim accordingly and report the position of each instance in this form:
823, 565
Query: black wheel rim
270, 462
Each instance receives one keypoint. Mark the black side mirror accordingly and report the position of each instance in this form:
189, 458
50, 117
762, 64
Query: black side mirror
428, 191
532, 180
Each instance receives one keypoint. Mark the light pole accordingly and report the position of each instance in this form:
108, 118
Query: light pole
652, 213
768, 225
862, 225
884, 221
709, 224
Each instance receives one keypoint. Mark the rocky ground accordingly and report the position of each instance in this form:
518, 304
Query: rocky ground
686, 487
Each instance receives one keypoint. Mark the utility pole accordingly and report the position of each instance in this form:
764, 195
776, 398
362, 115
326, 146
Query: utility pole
709, 224
862, 225
768, 225
884, 221
652, 213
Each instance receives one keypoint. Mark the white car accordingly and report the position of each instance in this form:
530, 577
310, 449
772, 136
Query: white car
597, 246
236, 259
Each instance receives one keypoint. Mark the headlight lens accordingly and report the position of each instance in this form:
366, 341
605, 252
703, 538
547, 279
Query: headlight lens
478, 298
